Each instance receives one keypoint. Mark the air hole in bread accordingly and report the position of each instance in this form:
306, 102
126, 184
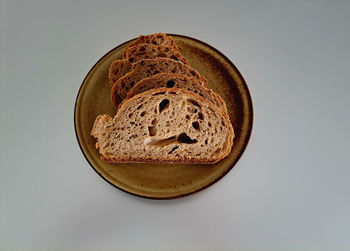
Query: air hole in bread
164, 104
195, 125
172, 93
193, 73
206, 142
154, 42
143, 48
200, 116
162, 55
143, 114
139, 107
223, 123
173, 149
154, 121
132, 83
130, 115
192, 110
193, 102
209, 124
158, 93
173, 70
184, 138
170, 83
133, 136
188, 116
174, 57
131, 60
152, 130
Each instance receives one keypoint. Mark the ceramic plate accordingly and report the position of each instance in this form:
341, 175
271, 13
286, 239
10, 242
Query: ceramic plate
166, 181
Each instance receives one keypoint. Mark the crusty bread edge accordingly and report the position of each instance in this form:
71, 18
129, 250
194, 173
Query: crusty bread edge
115, 98
110, 70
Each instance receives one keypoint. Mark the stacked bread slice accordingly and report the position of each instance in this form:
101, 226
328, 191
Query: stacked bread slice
165, 110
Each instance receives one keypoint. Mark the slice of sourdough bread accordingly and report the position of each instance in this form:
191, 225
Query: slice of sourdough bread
164, 125
146, 68
142, 51
155, 39
172, 80
134, 53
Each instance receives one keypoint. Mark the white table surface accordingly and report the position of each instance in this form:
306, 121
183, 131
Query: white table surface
289, 191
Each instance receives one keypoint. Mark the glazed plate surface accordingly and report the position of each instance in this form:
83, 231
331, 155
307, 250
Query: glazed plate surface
165, 181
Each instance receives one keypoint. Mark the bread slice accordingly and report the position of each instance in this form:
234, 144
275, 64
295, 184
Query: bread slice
137, 52
143, 51
149, 67
117, 69
164, 125
172, 80
155, 39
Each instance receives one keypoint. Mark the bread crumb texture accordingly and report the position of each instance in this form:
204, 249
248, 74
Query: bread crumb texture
165, 125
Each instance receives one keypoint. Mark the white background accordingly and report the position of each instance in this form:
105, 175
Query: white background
289, 191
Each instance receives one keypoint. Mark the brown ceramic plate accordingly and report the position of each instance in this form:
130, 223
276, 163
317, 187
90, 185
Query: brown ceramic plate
166, 181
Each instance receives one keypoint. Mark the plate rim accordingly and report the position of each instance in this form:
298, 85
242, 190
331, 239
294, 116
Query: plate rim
246, 140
